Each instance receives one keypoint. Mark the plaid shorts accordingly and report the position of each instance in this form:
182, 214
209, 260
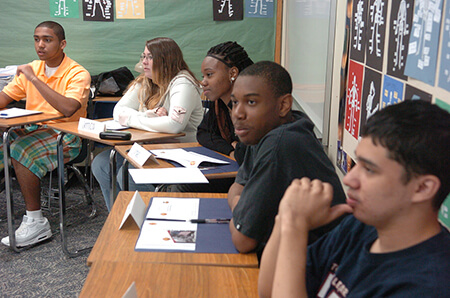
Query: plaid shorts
35, 147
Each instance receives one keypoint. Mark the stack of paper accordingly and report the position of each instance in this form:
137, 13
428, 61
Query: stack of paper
167, 175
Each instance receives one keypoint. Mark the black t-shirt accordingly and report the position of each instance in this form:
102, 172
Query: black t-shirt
287, 152
208, 133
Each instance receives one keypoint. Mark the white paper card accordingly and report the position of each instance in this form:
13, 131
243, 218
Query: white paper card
168, 175
91, 126
135, 209
173, 208
185, 158
131, 292
140, 155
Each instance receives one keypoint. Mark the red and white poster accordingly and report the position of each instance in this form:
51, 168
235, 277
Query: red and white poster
354, 95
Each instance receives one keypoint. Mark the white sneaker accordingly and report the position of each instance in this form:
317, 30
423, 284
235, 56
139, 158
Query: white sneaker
31, 231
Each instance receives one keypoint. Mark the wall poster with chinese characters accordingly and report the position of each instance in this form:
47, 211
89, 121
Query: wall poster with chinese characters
397, 50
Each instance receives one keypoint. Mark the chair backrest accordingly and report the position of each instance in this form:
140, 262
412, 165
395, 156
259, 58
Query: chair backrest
83, 152
90, 105
84, 145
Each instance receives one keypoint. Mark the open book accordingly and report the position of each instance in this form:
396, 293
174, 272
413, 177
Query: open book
166, 226
186, 158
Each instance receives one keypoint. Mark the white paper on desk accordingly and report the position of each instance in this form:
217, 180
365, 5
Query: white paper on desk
114, 125
173, 208
167, 175
185, 158
16, 112
157, 235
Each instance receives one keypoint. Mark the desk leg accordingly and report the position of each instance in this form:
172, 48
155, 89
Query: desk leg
113, 171
125, 182
8, 191
88, 172
62, 199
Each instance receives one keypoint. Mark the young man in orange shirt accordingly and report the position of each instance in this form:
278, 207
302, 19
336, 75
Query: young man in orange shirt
57, 85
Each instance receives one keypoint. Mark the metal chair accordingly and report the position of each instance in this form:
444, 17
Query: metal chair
50, 192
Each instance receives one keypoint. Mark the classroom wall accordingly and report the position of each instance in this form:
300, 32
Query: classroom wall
391, 86
102, 46
305, 54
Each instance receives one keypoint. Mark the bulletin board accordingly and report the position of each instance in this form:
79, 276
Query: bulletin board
105, 45
392, 51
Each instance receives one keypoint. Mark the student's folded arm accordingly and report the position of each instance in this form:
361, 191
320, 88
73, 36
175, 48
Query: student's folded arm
183, 99
65, 105
242, 243
269, 262
290, 271
74, 96
129, 112
233, 194
128, 104
4, 99
304, 206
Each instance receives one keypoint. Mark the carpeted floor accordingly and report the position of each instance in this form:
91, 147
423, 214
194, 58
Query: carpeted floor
44, 270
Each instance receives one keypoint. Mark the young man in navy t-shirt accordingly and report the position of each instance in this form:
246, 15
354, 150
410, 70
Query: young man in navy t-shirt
393, 244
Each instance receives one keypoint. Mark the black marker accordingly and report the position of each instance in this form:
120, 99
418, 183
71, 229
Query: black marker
211, 220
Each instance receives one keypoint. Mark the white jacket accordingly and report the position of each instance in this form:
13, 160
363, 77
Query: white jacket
182, 101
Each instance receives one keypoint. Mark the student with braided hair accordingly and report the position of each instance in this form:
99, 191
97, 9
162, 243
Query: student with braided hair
220, 69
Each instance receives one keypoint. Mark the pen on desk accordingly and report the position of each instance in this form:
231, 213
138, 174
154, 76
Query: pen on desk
207, 168
3, 114
211, 220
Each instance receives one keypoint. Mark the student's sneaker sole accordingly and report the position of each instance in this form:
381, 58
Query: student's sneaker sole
44, 236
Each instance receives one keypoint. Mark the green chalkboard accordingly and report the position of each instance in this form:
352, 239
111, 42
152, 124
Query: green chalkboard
102, 46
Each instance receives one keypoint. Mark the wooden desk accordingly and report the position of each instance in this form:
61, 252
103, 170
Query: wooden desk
7, 125
114, 245
32, 119
123, 150
112, 279
138, 135
72, 128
